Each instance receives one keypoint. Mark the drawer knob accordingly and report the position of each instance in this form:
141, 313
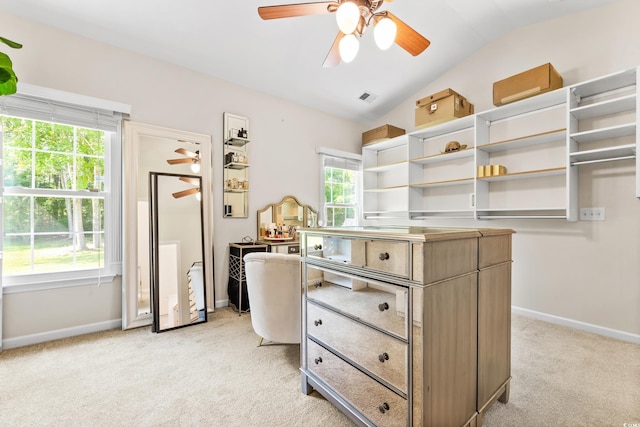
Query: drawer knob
384, 306
382, 357
317, 322
383, 256
384, 407
318, 360
317, 247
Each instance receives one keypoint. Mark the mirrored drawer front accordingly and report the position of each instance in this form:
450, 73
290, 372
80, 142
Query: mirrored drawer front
382, 255
379, 304
381, 405
378, 353
387, 256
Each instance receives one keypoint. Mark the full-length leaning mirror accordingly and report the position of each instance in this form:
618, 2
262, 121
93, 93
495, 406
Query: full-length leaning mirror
149, 148
177, 251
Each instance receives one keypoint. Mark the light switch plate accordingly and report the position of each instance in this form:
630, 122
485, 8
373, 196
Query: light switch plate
592, 214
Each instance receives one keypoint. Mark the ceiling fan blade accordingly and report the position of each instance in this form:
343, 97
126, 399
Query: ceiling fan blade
408, 38
333, 57
178, 161
291, 10
189, 180
184, 193
186, 152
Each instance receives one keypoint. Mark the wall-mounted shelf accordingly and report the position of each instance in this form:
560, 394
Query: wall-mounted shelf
387, 167
235, 166
540, 140
237, 141
385, 178
621, 152
435, 158
525, 141
525, 175
604, 133
603, 117
445, 183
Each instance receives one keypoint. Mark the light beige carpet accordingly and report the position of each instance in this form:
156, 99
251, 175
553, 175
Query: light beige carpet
213, 374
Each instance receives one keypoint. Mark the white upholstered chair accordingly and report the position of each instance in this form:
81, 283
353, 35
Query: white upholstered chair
274, 288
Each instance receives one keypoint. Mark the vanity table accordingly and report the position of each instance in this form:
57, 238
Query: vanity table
406, 326
288, 212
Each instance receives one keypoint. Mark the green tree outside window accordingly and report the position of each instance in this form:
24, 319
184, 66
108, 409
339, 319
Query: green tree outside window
45, 231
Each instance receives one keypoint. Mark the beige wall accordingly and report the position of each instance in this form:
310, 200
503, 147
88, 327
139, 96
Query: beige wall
585, 273
582, 272
282, 151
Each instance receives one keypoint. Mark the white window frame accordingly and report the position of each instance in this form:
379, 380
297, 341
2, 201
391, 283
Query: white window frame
333, 157
44, 104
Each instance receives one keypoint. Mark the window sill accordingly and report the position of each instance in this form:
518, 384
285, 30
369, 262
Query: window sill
44, 285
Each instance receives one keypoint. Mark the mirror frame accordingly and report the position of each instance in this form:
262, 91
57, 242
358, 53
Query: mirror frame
306, 209
235, 144
133, 133
154, 245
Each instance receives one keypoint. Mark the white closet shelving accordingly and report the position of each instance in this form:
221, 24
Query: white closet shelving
540, 140
528, 138
603, 120
385, 179
440, 183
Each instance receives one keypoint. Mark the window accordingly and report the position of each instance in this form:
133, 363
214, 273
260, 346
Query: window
341, 178
61, 190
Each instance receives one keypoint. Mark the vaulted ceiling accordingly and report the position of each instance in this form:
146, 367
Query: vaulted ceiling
284, 57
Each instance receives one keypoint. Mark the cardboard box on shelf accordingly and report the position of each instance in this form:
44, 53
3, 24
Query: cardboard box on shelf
381, 132
441, 107
535, 81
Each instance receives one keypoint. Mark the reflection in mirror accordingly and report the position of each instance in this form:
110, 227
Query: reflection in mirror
151, 148
265, 218
157, 155
312, 218
177, 271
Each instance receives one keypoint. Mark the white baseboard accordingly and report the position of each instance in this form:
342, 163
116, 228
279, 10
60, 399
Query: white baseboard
72, 332
60, 333
222, 303
576, 324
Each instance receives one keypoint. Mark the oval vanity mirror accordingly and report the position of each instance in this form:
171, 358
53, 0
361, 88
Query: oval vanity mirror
289, 212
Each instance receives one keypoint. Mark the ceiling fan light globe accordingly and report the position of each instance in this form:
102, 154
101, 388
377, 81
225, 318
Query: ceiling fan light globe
348, 47
347, 16
195, 167
384, 33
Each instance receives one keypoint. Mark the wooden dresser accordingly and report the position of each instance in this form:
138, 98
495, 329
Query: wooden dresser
407, 326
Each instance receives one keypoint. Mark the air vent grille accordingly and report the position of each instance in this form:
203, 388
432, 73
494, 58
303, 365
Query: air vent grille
367, 96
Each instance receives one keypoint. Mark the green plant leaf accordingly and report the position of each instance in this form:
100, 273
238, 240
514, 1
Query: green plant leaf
8, 79
10, 43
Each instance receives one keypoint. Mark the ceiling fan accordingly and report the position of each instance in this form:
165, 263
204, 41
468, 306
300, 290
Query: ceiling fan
353, 17
193, 158
190, 191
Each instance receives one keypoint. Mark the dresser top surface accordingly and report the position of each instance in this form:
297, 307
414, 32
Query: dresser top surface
408, 233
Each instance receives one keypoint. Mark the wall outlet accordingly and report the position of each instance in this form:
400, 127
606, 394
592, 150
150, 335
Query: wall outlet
592, 214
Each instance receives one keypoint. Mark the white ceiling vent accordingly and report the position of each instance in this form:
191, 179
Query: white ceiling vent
368, 96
